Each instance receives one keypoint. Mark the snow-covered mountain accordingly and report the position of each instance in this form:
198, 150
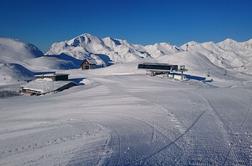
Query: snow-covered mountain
28, 56
117, 50
161, 49
227, 55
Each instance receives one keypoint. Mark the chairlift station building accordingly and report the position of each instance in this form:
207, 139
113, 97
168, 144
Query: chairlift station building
172, 71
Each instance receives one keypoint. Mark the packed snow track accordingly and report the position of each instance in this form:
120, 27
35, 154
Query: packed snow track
121, 120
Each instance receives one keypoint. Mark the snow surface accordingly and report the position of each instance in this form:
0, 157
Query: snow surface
122, 117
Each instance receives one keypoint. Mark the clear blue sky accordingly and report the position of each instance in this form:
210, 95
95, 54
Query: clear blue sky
42, 22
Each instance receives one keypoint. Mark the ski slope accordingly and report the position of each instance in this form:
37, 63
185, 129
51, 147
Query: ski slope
123, 117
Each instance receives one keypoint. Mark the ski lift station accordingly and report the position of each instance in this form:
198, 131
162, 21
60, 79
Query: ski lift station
172, 71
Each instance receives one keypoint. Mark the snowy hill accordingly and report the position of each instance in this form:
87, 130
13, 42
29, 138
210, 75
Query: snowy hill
228, 54
14, 58
29, 56
15, 51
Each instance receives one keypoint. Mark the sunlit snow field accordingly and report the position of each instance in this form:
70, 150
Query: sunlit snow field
120, 116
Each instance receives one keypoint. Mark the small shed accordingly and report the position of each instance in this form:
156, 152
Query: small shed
177, 76
88, 64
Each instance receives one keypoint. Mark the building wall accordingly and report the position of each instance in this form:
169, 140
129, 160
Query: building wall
61, 77
47, 79
30, 92
87, 66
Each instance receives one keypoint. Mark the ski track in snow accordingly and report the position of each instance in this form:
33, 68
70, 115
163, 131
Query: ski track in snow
124, 120
173, 142
228, 134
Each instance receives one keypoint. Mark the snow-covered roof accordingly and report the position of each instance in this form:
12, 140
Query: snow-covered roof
45, 75
46, 86
51, 74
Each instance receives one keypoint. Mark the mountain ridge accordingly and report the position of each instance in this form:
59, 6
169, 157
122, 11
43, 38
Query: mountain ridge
225, 54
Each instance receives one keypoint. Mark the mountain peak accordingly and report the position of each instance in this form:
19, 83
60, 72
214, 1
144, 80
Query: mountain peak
189, 44
163, 44
85, 35
229, 41
84, 38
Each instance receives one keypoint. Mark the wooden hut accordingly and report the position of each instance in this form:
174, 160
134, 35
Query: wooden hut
88, 64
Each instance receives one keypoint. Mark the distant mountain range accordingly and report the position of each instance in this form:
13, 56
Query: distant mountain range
117, 50
228, 55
